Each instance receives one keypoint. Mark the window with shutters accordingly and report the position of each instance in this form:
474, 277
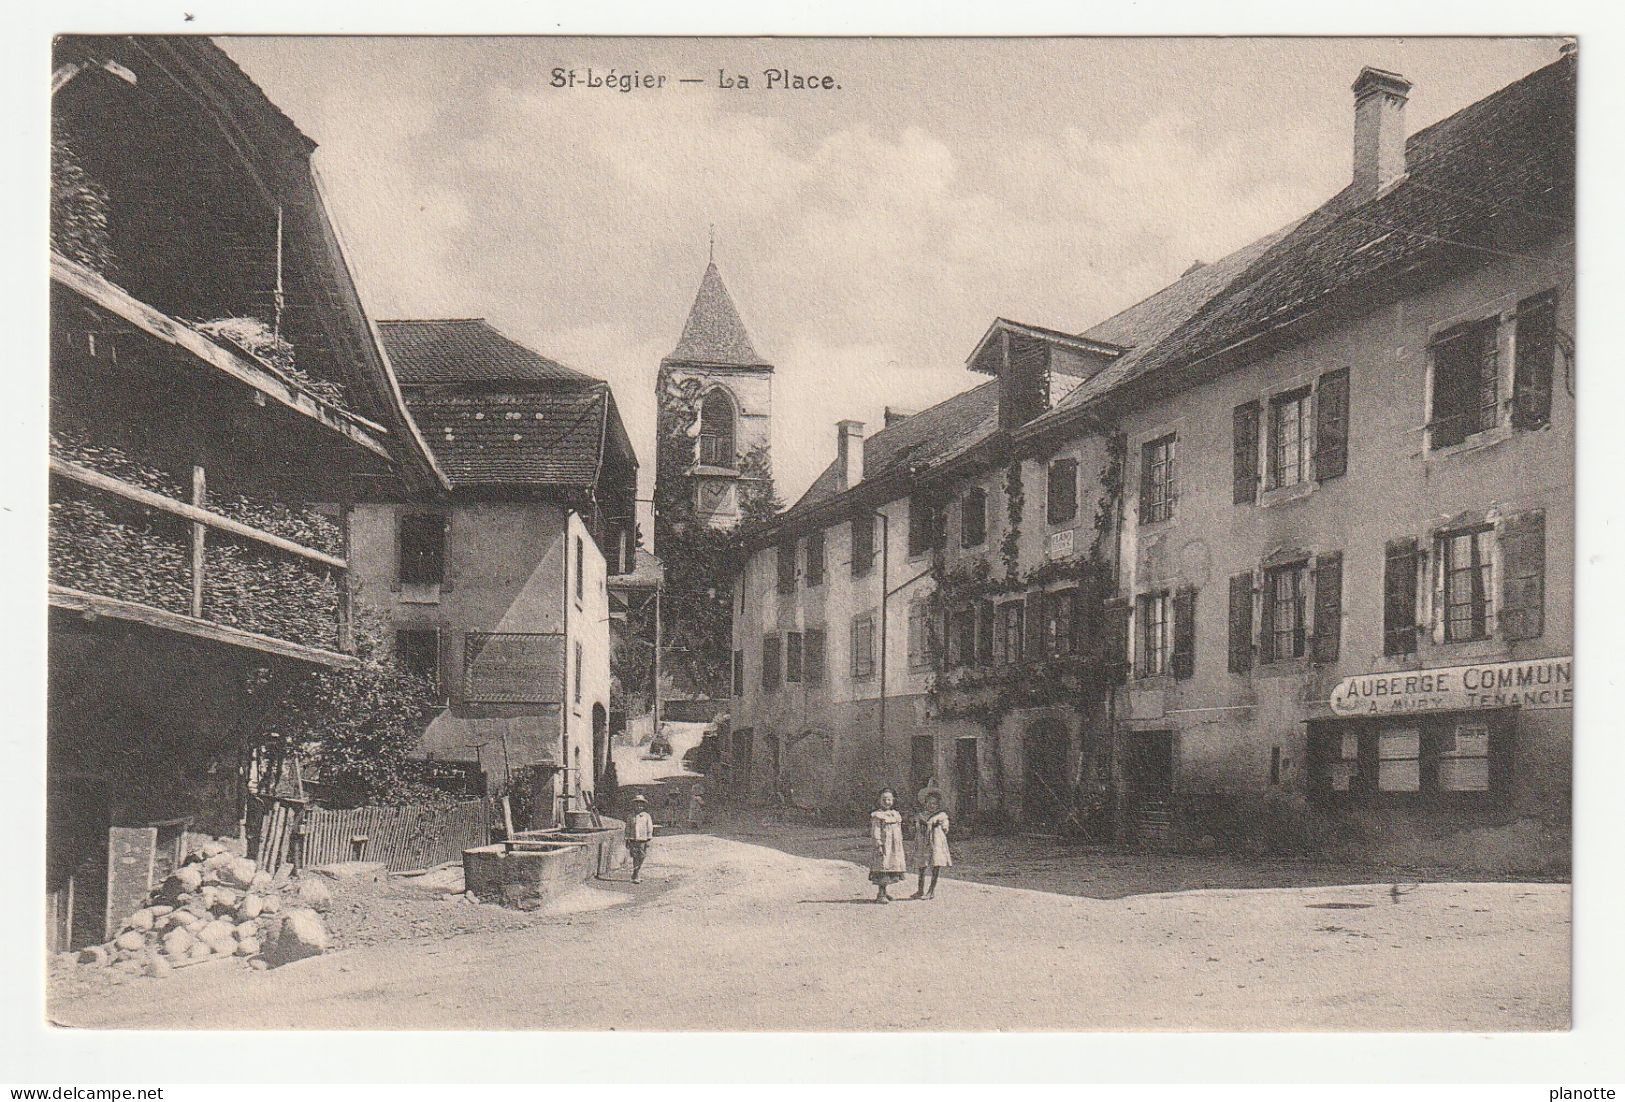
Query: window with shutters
1241, 623
1151, 651
1012, 632
1289, 438
924, 526
422, 559
1157, 480
1182, 659
1063, 491
792, 658
1244, 457
1523, 576
815, 557
863, 544
973, 518
919, 635
1466, 383
1399, 579
772, 663
1328, 606
1060, 620
814, 663
787, 567
1535, 345
1465, 567
1283, 635
863, 646
963, 636
739, 673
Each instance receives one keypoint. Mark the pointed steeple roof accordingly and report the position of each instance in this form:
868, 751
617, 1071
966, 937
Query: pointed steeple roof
714, 333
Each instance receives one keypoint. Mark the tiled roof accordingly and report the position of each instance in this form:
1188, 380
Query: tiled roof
524, 438
714, 332
466, 350
923, 439
1510, 153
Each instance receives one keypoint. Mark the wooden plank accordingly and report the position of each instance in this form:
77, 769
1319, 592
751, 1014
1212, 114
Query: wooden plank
91, 604
142, 496
115, 300
199, 534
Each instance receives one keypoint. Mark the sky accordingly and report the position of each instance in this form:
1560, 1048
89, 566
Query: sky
869, 233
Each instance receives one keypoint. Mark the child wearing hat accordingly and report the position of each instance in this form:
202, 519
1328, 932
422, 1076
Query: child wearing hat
931, 830
639, 833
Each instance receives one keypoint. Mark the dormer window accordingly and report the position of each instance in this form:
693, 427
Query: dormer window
718, 436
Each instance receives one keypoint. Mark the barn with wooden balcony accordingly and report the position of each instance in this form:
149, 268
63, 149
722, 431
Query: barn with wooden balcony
217, 395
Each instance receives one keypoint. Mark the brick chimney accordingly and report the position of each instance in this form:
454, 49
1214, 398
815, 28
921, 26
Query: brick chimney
849, 452
1379, 131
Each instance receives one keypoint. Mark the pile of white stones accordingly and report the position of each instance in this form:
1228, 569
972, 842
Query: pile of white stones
218, 905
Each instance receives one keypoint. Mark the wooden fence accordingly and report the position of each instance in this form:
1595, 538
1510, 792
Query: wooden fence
401, 837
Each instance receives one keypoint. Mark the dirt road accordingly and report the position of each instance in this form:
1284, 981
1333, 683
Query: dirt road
724, 935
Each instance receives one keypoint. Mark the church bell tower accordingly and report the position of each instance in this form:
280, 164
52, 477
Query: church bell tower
714, 397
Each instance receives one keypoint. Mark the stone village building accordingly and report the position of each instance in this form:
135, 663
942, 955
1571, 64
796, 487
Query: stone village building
1279, 557
497, 591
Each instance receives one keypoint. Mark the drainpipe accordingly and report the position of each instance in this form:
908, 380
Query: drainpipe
564, 672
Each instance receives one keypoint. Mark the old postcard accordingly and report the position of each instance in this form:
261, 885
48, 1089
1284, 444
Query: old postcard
692, 534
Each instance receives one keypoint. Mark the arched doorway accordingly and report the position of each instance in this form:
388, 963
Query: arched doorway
1045, 793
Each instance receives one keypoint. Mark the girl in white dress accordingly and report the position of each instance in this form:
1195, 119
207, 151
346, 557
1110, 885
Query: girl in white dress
931, 830
888, 864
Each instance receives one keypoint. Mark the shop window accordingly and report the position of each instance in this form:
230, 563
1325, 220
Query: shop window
1151, 613
973, 518
1157, 480
1465, 565
792, 658
1062, 504
1283, 633
422, 549
1466, 383
1399, 760
814, 661
863, 544
863, 646
1464, 758
815, 557
1289, 438
772, 669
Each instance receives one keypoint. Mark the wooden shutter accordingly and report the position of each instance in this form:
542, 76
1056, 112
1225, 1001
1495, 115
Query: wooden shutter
1332, 425
1328, 635
1033, 647
1116, 619
1266, 618
1184, 655
1532, 365
1241, 622
1523, 575
1399, 597
1244, 464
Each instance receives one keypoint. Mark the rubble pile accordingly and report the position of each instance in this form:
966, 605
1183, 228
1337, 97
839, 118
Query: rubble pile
218, 905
